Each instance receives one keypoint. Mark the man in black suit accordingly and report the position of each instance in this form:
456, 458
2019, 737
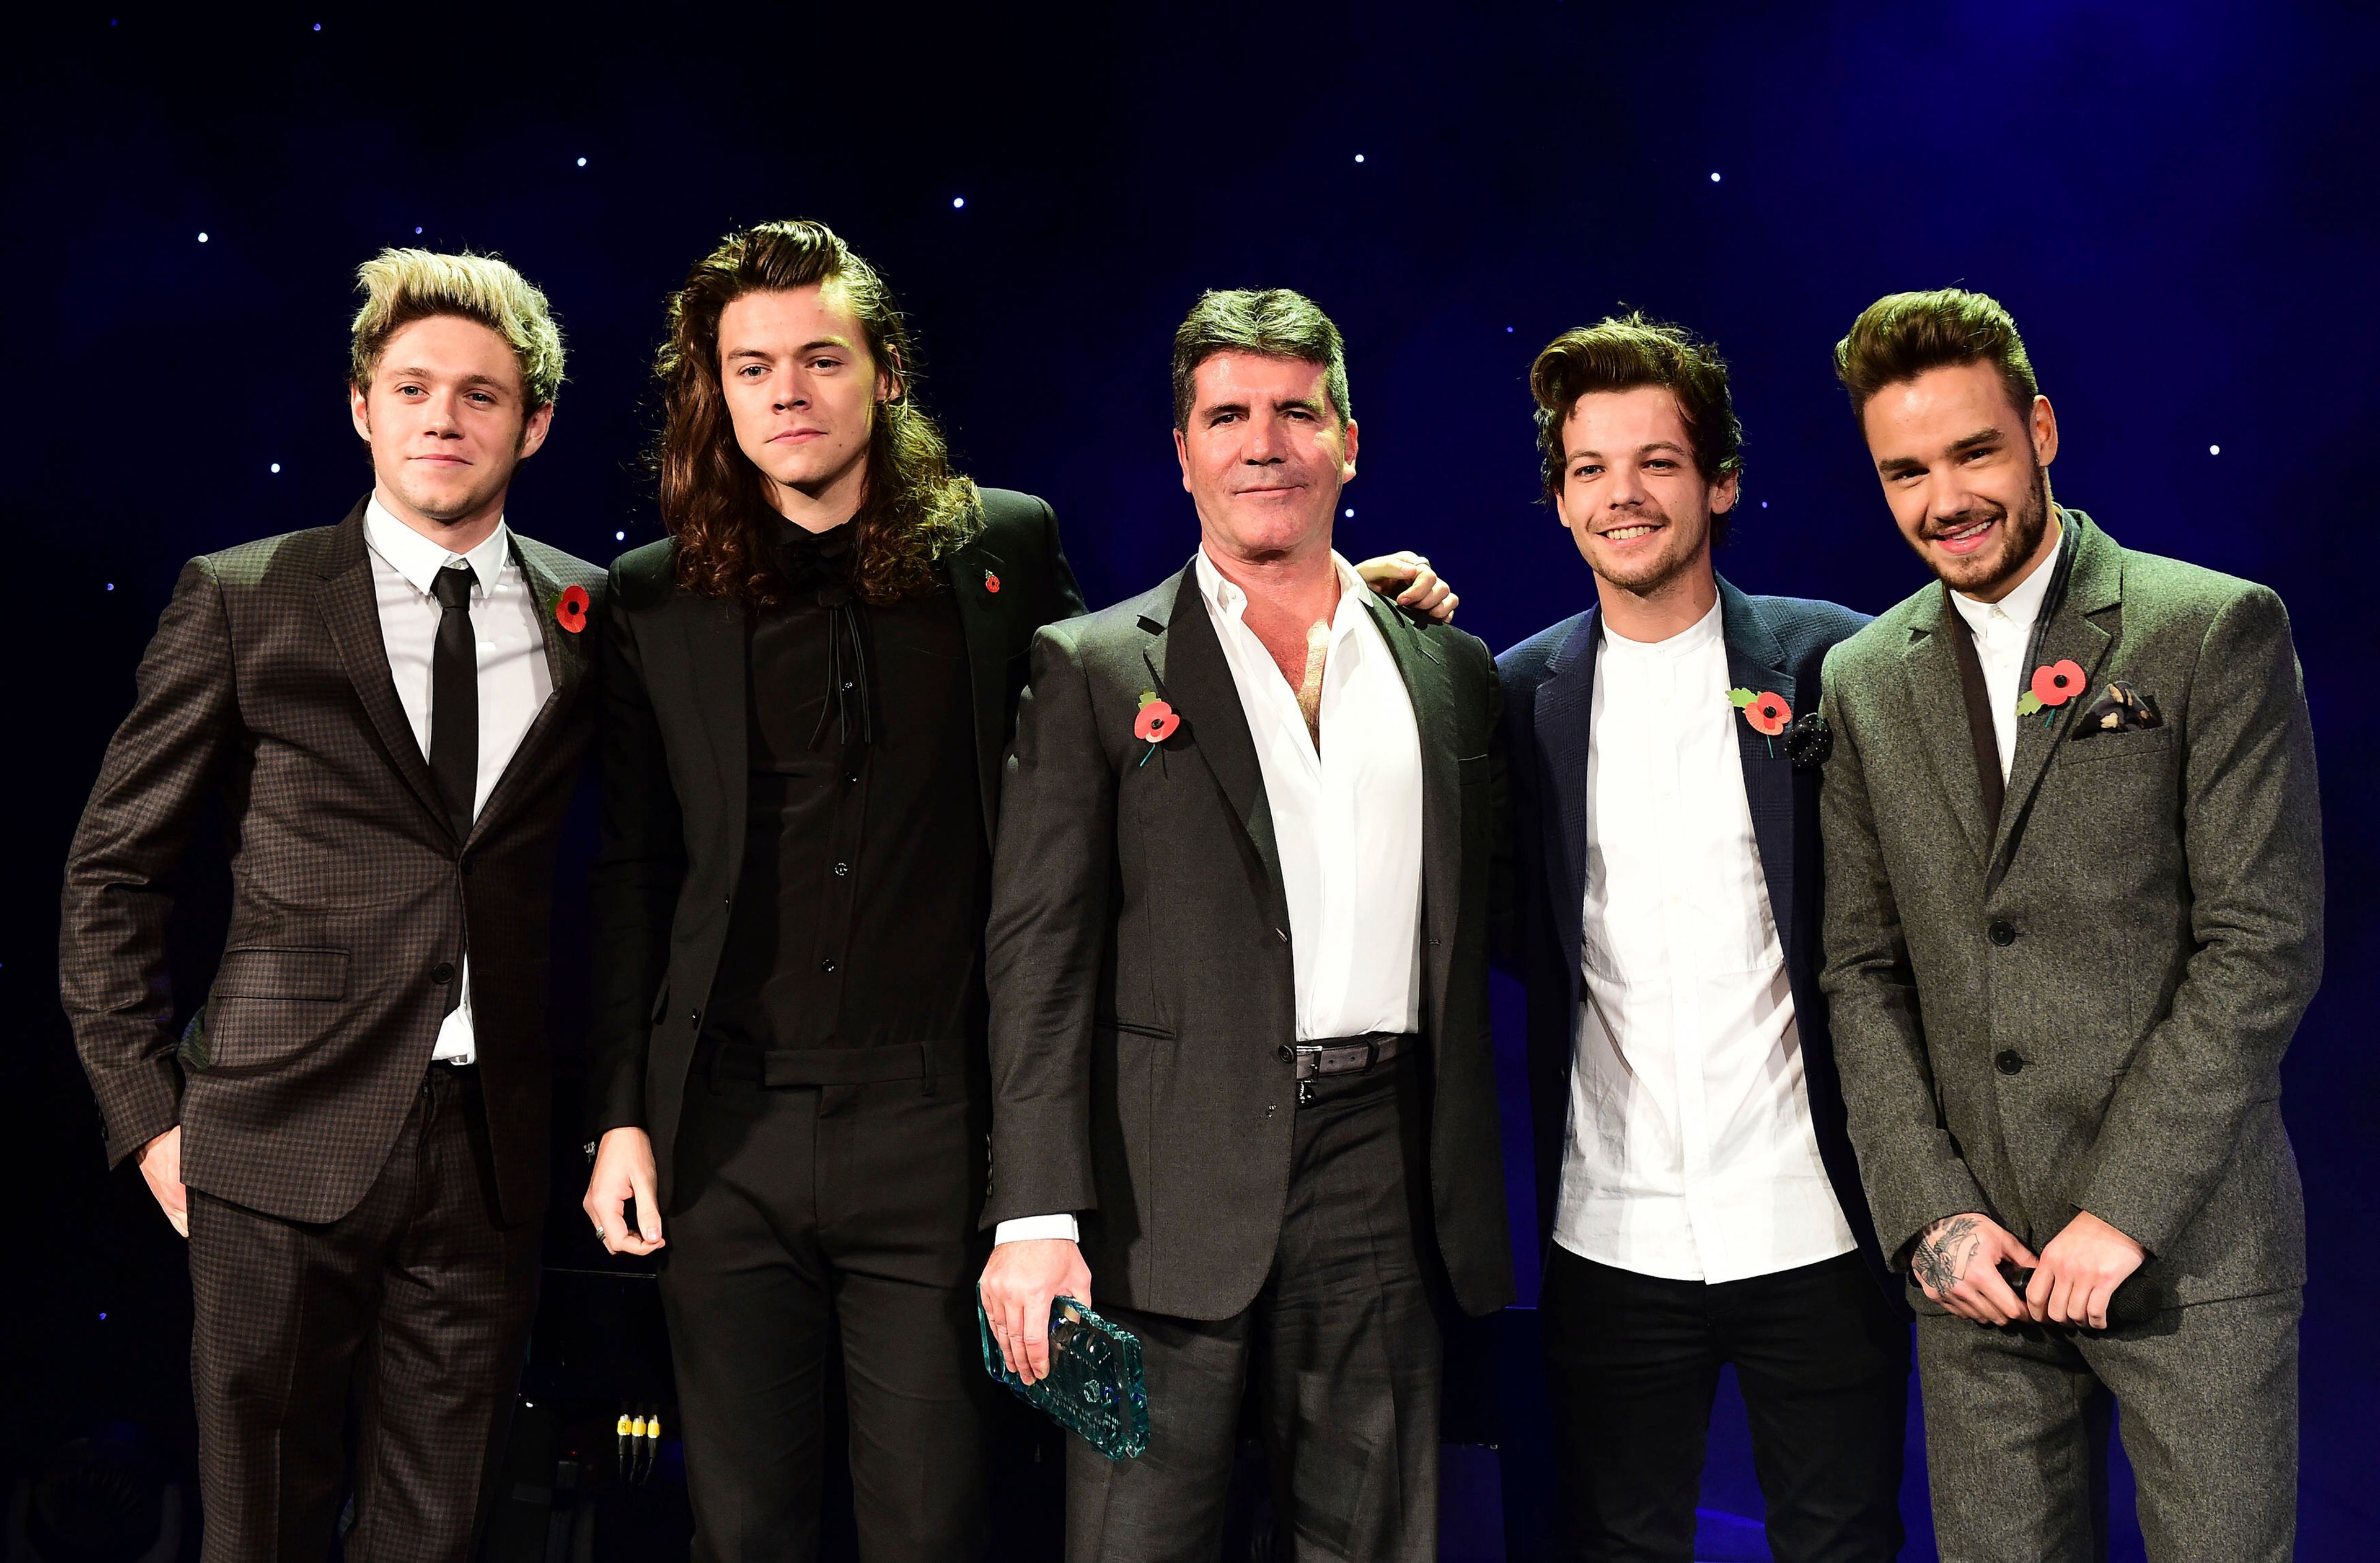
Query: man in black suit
1238, 966
807, 689
1696, 1186
352, 1133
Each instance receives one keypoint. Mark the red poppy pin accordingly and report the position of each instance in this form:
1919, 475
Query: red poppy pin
1764, 709
570, 609
1156, 722
2053, 685
992, 583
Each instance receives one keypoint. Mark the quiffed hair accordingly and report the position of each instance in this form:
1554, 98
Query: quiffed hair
1901, 335
1274, 322
401, 287
1620, 353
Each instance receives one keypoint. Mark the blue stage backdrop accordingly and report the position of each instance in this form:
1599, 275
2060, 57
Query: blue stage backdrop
2176, 201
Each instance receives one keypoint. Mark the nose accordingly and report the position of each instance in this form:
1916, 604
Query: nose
1627, 491
1265, 446
788, 396
442, 421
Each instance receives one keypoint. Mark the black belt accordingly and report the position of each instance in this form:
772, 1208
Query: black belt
775, 1067
1339, 1055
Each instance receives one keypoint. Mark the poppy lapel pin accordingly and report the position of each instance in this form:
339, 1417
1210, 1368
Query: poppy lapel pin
1156, 722
2053, 685
992, 583
1766, 711
570, 609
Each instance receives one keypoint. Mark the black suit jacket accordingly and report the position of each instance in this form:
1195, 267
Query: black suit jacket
1139, 957
268, 683
1775, 645
674, 775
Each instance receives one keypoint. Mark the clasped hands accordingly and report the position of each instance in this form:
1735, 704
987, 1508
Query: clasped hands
1957, 1261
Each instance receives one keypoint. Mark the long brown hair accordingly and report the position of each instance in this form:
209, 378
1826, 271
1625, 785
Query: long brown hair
913, 510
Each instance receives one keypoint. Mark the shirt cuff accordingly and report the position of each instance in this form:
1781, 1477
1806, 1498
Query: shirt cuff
1025, 1228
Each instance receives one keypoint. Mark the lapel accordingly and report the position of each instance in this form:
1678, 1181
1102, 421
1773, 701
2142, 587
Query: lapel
713, 631
1937, 703
351, 611
1565, 710
985, 627
2095, 585
1755, 661
1430, 688
565, 663
1185, 657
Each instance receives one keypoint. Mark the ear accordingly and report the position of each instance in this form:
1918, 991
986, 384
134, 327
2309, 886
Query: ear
1723, 492
890, 387
1347, 466
1182, 455
2044, 431
359, 413
533, 433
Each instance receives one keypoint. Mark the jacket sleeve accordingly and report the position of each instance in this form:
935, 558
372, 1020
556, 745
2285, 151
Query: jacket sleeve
1912, 1171
112, 963
2252, 835
1066, 597
639, 866
1047, 941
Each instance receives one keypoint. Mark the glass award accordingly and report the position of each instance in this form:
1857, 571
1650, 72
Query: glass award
1095, 1390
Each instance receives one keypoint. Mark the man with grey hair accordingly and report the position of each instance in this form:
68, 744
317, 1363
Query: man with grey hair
1238, 965
351, 1130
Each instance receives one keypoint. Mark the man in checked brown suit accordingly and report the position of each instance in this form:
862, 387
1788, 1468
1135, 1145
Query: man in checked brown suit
352, 1131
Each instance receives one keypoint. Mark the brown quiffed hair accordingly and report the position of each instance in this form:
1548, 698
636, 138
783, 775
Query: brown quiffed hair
1274, 323
1901, 335
915, 509
1620, 353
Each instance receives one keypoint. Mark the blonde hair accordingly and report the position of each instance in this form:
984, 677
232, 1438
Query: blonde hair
401, 287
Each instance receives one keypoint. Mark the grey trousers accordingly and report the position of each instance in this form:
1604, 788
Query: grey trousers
1345, 1353
2016, 1424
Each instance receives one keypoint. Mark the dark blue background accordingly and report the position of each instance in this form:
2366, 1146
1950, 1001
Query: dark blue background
2176, 201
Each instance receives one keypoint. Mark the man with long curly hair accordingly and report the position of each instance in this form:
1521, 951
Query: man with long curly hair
807, 689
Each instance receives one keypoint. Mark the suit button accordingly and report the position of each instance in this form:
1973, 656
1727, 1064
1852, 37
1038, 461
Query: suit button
466, 866
827, 966
2009, 1061
1288, 1053
843, 870
442, 972
694, 1017
2002, 934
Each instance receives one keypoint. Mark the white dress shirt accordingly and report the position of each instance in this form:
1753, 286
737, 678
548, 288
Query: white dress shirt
513, 677
2003, 631
1346, 821
1690, 1153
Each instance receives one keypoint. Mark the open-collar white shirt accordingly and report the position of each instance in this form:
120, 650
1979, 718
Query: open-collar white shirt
2003, 630
1690, 1152
514, 678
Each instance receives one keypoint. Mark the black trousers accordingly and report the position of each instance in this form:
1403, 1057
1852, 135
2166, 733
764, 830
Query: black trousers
1822, 1362
1344, 1348
407, 1314
813, 1220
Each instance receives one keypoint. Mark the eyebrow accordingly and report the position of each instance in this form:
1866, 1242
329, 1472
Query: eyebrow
1647, 449
811, 346
431, 374
1287, 404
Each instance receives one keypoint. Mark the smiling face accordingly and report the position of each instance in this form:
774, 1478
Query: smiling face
447, 421
801, 390
1264, 456
1966, 474
1632, 497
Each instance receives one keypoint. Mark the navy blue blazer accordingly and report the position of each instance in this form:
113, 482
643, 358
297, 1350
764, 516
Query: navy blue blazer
1774, 645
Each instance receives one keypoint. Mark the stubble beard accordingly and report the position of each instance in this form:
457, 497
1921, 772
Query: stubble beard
2021, 537
1651, 577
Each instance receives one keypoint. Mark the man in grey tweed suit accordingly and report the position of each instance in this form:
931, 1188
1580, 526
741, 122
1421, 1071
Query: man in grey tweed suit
2074, 914
352, 1132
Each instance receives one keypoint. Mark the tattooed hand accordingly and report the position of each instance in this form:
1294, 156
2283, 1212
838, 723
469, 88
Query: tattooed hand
1957, 1260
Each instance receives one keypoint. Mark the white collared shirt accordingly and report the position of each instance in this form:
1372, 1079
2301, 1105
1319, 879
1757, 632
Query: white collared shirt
2003, 631
1346, 821
513, 677
1690, 1154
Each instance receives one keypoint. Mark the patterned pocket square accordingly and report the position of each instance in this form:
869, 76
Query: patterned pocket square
2121, 709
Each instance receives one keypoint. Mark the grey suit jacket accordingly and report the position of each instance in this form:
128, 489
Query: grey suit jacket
2087, 1009
267, 686
1139, 957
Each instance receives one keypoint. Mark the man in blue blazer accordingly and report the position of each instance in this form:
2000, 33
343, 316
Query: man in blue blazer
1694, 1176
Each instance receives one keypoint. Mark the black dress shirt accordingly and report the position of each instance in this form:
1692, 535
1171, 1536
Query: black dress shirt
865, 872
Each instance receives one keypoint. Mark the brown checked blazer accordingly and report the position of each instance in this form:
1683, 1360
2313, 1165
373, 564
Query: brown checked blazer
2084, 1007
268, 684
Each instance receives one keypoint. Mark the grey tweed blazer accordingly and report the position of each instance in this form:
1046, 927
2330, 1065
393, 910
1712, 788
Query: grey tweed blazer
267, 686
2087, 1009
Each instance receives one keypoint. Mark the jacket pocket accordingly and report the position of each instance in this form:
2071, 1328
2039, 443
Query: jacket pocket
319, 975
2098, 747
1471, 767
1133, 1028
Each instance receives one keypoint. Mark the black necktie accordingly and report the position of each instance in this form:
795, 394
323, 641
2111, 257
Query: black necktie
454, 698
